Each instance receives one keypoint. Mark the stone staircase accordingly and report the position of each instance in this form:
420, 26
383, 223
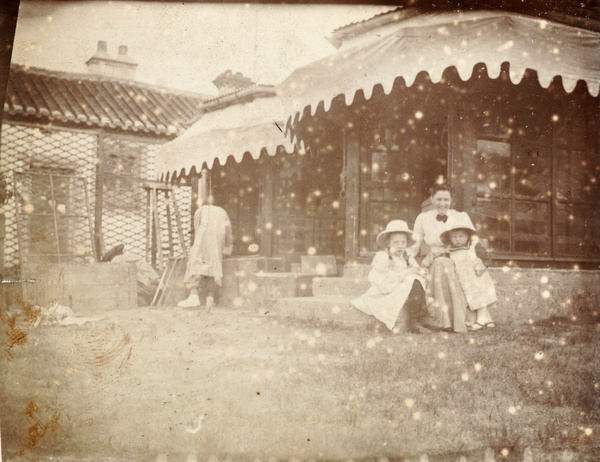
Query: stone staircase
251, 281
330, 300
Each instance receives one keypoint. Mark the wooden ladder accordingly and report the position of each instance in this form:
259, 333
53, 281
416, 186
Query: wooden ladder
154, 241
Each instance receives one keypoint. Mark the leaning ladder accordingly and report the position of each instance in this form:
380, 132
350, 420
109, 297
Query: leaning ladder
154, 241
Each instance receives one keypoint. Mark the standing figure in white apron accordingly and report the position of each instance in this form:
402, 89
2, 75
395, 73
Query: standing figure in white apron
212, 239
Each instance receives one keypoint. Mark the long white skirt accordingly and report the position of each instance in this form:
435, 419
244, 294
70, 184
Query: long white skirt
387, 307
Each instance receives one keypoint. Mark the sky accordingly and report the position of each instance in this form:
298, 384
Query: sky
182, 46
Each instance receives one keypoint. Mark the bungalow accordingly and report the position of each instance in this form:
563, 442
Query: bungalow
501, 104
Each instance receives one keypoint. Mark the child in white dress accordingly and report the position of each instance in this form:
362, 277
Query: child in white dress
475, 281
396, 281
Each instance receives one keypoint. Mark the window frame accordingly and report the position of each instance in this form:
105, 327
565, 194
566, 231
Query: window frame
513, 197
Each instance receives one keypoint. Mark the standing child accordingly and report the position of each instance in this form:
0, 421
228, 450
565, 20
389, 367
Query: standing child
395, 280
212, 239
473, 276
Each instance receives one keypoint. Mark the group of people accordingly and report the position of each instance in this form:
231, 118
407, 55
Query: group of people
449, 290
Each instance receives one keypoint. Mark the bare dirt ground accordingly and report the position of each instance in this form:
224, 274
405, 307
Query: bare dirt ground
170, 383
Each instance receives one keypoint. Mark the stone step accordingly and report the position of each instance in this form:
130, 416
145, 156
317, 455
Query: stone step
357, 270
333, 308
347, 286
272, 286
318, 265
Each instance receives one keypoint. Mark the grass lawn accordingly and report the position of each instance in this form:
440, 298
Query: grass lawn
136, 384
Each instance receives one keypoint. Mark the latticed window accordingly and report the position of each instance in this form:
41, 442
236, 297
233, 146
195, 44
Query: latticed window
513, 196
538, 172
53, 217
121, 166
40, 153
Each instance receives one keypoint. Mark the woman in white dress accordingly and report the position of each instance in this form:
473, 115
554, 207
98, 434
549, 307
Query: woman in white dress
445, 298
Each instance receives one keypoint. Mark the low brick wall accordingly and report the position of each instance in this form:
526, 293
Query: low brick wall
526, 294
88, 289
531, 293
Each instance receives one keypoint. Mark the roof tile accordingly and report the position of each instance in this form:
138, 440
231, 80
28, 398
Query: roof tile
99, 101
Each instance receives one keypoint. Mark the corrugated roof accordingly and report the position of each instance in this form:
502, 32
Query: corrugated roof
94, 101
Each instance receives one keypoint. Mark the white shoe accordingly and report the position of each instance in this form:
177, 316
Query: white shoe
192, 301
210, 302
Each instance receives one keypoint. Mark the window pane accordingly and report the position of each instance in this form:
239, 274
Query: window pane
531, 234
577, 229
493, 167
492, 219
379, 166
378, 215
531, 172
577, 177
121, 167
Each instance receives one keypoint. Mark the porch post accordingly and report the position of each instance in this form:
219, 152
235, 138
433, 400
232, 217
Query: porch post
99, 200
204, 188
194, 182
351, 148
266, 209
462, 152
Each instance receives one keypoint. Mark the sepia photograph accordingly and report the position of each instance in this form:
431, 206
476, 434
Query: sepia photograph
300, 232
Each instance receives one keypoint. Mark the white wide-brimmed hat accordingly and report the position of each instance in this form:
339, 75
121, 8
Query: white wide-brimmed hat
394, 226
460, 225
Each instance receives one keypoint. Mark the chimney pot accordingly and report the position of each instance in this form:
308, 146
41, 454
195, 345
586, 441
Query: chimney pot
122, 67
229, 82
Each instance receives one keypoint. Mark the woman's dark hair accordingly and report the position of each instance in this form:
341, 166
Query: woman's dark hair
442, 187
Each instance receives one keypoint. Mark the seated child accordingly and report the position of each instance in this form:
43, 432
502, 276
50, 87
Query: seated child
396, 281
475, 281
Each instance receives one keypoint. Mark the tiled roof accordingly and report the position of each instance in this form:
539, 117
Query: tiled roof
241, 96
94, 101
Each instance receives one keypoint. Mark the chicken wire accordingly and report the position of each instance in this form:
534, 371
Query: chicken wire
53, 219
115, 169
126, 165
41, 150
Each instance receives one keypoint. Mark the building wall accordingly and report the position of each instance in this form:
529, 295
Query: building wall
126, 163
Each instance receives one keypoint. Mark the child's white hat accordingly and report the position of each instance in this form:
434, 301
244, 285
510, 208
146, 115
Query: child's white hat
462, 225
394, 226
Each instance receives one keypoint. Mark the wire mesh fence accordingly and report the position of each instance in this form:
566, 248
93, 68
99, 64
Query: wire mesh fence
52, 168
126, 171
53, 218
27, 148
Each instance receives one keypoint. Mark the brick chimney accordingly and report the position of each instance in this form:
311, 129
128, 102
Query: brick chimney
228, 82
121, 67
